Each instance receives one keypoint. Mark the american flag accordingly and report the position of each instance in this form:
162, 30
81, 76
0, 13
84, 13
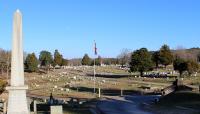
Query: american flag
95, 48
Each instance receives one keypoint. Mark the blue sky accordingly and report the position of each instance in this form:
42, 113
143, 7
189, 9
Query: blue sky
71, 26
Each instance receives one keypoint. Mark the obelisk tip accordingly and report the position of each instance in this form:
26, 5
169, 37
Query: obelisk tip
18, 11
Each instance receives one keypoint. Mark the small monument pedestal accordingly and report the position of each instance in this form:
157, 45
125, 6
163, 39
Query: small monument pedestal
56, 110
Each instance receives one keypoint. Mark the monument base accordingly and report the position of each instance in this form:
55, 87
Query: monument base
17, 102
17, 87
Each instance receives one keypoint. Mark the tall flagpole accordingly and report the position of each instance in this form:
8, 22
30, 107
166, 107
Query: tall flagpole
95, 53
94, 77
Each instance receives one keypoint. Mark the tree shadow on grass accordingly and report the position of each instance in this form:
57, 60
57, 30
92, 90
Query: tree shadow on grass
108, 92
110, 75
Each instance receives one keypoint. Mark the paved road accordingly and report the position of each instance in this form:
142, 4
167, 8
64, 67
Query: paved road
125, 105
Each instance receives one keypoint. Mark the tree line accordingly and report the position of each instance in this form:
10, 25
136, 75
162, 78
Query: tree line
46, 61
31, 62
142, 60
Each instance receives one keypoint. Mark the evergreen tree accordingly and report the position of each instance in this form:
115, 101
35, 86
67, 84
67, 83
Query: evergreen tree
98, 61
57, 58
45, 58
192, 67
165, 55
156, 58
31, 63
180, 65
65, 62
141, 61
86, 60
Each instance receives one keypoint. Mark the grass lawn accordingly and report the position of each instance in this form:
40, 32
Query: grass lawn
38, 83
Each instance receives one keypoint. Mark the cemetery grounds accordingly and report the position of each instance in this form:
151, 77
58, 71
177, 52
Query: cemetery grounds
78, 82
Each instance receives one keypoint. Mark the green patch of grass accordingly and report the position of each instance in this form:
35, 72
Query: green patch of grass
109, 69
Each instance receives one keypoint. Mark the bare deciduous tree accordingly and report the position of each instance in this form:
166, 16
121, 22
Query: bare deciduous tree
186, 54
124, 57
5, 61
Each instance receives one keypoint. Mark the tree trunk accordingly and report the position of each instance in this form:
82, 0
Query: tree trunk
7, 70
156, 65
48, 70
180, 73
141, 73
2, 71
165, 67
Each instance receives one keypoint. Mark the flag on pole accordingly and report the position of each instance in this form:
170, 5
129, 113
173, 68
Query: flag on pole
95, 48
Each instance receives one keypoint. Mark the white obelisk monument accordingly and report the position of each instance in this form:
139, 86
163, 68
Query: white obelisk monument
17, 101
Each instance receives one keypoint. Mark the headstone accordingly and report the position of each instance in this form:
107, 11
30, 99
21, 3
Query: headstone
99, 92
67, 90
56, 110
45, 100
4, 107
35, 106
17, 101
199, 88
121, 92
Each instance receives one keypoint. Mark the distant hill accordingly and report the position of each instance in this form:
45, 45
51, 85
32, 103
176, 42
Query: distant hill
75, 62
191, 53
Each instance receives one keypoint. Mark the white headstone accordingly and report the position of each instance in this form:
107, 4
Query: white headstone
17, 101
56, 110
99, 92
4, 107
35, 106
